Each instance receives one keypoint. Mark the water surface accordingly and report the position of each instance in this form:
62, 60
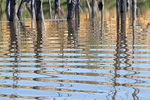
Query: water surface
76, 60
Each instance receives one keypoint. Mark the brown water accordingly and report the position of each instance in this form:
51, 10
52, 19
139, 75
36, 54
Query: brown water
71, 60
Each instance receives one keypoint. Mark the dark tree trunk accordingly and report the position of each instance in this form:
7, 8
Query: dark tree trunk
39, 10
71, 8
7, 4
13, 9
122, 6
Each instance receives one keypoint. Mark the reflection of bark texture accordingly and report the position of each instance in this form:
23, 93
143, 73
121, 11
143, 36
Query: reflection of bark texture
14, 51
38, 46
121, 50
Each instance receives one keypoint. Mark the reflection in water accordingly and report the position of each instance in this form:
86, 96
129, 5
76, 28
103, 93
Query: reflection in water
75, 59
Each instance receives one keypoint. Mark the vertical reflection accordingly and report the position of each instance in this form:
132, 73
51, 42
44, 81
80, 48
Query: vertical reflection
102, 17
14, 52
133, 20
72, 33
122, 59
39, 42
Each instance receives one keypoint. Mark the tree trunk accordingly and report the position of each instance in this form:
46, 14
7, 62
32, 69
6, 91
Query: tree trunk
19, 13
39, 10
122, 6
50, 8
33, 9
7, 4
57, 8
13, 9
89, 7
94, 8
71, 8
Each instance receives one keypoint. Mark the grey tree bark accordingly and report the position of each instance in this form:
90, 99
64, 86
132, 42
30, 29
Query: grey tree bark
50, 9
94, 8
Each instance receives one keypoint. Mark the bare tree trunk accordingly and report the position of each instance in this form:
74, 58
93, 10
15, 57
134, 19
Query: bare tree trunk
134, 18
128, 5
50, 8
89, 7
7, 4
94, 8
71, 8
122, 6
33, 9
13, 9
19, 13
57, 8
117, 10
39, 10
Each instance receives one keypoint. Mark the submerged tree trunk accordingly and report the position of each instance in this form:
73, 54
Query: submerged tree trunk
71, 8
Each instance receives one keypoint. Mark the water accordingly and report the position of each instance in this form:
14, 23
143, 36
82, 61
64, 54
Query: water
75, 60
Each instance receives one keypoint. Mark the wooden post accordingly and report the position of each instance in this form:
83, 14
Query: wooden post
39, 10
71, 8
13, 9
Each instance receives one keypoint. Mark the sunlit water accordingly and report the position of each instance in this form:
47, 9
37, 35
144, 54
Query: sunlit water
75, 60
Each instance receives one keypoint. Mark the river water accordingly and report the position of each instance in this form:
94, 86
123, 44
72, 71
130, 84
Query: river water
76, 60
